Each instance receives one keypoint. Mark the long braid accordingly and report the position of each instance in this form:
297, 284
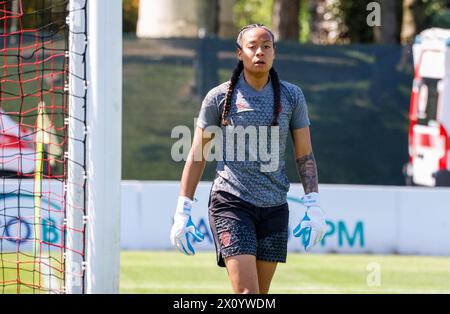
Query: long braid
276, 95
234, 79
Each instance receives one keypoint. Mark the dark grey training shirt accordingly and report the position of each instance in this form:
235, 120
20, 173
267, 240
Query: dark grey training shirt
253, 169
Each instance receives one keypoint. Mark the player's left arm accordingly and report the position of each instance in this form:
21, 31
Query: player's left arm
304, 157
312, 227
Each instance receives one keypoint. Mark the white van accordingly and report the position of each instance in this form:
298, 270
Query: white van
429, 115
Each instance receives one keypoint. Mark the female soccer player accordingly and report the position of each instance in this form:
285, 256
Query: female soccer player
248, 210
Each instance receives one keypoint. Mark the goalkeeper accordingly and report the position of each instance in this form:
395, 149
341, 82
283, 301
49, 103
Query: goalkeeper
248, 209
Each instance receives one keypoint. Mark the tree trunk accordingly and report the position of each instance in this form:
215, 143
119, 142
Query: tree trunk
387, 32
226, 22
209, 17
285, 20
319, 32
413, 20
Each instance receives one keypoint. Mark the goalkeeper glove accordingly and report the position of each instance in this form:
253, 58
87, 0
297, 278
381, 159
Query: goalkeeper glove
183, 229
312, 226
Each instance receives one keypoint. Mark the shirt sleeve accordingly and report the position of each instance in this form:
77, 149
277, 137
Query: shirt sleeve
209, 112
299, 118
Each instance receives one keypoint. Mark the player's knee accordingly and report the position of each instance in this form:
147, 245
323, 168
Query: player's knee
246, 290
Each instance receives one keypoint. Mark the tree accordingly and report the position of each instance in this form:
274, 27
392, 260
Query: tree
319, 31
227, 27
387, 32
130, 10
410, 20
208, 15
354, 20
421, 14
285, 19
253, 11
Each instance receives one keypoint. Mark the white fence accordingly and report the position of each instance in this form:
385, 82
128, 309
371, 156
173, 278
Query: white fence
361, 219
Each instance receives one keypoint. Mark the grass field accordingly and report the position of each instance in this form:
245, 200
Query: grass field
24, 268
171, 272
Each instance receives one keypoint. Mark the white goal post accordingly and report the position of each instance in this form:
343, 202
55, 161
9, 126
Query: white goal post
95, 73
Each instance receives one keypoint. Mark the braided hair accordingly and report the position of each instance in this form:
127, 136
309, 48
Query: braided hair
237, 72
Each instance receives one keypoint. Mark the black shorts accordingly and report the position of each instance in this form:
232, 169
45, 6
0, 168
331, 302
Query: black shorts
241, 228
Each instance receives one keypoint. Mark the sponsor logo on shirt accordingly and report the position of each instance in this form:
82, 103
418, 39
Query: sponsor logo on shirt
243, 107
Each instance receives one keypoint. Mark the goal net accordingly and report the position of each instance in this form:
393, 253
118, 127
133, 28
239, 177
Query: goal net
47, 96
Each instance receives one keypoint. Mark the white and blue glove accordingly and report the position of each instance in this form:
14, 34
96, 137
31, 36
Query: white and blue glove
312, 227
183, 230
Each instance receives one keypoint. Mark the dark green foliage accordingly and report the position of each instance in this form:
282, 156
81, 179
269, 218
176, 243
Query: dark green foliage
358, 100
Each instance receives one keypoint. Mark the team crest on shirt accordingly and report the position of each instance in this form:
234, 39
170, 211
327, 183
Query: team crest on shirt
242, 106
225, 237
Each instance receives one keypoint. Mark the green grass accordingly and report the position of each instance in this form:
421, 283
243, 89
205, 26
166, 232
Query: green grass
23, 274
171, 272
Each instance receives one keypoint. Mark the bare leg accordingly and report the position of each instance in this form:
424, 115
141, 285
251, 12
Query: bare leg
266, 270
243, 273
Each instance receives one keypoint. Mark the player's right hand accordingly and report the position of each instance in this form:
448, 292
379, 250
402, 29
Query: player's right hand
183, 229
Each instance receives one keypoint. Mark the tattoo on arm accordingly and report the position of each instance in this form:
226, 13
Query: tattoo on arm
307, 169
